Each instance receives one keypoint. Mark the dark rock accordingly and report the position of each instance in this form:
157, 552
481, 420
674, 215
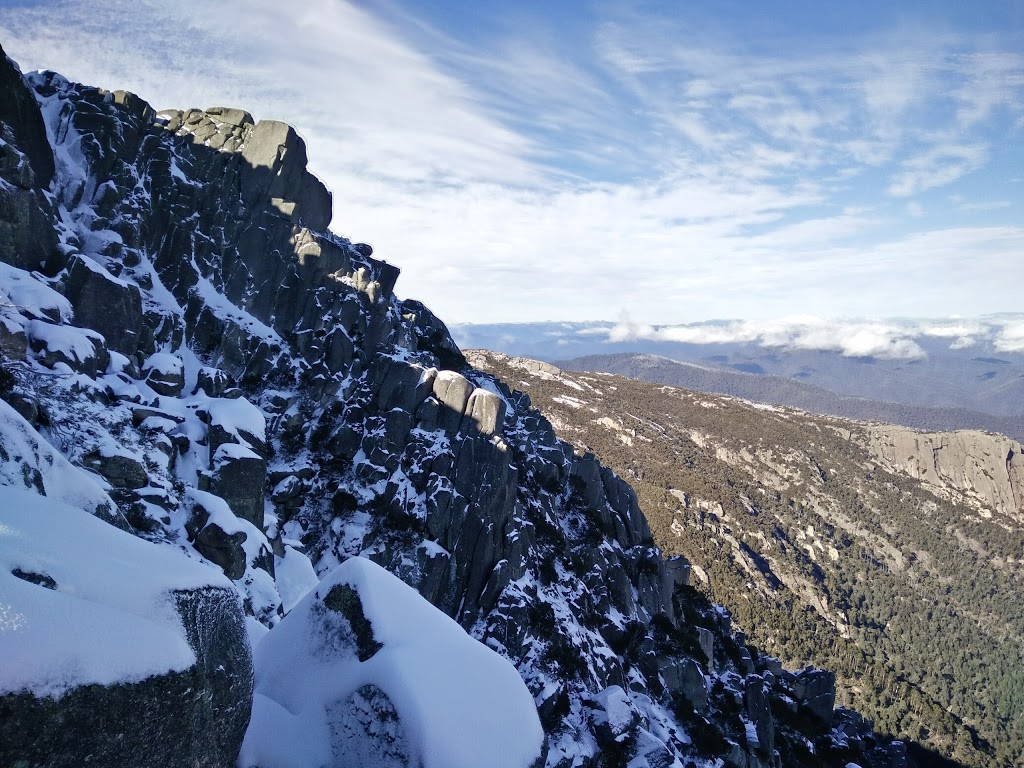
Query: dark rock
239, 478
40, 579
212, 381
105, 304
165, 374
345, 600
760, 714
190, 719
13, 341
222, 549
432, 335
367, 730
85, 353
815, 690
706, 639
20, 115
27, 406
121, 471
683, 678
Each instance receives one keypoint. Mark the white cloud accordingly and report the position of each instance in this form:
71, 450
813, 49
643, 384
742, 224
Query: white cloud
851, 338
915, 209
937, 167
639, 163
886, 340
367, 103
1010, 337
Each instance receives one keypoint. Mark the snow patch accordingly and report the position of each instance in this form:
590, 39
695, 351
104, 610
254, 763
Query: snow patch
108, 615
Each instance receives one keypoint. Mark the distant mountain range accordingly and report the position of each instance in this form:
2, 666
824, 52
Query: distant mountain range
901, 372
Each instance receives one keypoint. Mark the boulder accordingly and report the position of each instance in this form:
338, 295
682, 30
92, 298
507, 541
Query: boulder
105, 304
81, 350
223, 549
239, 477
432, 335
452, 391
683, 678
212, 381
275, 171
364, 671
121, 470
815, 691
165, 374
485, 412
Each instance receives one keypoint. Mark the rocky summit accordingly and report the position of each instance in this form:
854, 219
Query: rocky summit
265, 436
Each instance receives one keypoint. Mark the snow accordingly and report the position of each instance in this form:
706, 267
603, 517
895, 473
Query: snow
295, 577
111, 617
78, 344
31, 297
228, 452
163, 363
237, 415
222, 307
27, 461
617, 709
460, 704
572, 402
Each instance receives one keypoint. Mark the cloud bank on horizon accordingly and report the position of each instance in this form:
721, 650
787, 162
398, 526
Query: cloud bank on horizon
885, 340
677, 161
890, 339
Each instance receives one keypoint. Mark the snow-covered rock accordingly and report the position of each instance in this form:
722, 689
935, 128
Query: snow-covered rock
113, 647
364, 671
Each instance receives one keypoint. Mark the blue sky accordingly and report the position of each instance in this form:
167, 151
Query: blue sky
669, 162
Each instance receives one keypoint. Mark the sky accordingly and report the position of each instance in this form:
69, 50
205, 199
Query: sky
663, 162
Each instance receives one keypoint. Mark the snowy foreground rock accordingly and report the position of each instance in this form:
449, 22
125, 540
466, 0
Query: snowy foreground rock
365, 672
297, 457
113, 648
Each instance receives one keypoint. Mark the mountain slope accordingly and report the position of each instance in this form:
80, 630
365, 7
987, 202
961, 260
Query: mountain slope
780, 390
891, 556
228, 379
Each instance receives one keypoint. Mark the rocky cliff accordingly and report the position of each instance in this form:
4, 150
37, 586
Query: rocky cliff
982, 468
245, 387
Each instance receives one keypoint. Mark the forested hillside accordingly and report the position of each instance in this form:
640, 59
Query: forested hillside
831, 543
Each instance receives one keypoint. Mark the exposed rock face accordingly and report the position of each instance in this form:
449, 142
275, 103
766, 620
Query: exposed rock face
985, 467
27, 236
329, 416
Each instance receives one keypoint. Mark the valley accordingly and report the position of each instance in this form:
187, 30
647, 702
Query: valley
890, 556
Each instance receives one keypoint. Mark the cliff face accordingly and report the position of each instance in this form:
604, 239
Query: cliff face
247, 388
984, 469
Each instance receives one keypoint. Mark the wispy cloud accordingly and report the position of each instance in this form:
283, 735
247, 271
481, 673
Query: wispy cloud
540, 168
937, 167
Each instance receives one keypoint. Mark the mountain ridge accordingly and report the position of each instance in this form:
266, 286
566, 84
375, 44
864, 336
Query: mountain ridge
778, 390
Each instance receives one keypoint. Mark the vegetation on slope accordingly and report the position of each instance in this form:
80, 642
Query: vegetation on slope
822, 554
